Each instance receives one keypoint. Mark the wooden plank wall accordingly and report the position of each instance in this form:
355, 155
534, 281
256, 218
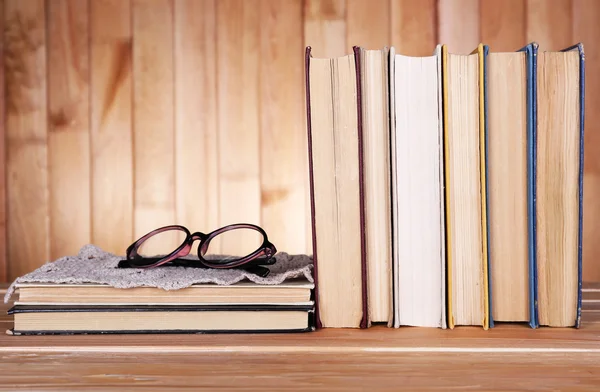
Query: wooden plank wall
123, 115
68, 125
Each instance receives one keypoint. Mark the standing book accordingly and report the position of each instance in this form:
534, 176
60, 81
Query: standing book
417, 182
511, 98
559, 185
375, 92
465, 179
335, 141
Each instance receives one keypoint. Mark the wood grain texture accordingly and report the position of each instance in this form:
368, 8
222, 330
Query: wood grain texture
368, 23
238, 59
68, 126
458, 25
325, 27
408, 17
424, 358
284, 161
503, 25
26, 135
549, 23
303, 372
196, 146
586, 29
111, 124
3, 242
153, 117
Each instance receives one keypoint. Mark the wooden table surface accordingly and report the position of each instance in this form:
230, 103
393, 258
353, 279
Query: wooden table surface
507, 357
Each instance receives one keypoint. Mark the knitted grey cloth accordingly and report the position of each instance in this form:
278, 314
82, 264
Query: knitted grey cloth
93, 265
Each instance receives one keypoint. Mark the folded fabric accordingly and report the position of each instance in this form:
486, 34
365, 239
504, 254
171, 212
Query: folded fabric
93, 265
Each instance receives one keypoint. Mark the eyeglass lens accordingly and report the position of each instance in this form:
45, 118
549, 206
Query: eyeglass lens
233, 244
224, 247
162, 243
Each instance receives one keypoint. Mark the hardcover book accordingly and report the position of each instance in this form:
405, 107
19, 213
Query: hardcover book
417, 183
335, 144
128, 319
375, 92
465, 179
559, 185
510, 151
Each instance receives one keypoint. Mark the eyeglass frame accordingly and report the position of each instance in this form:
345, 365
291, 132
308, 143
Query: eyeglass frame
267, 249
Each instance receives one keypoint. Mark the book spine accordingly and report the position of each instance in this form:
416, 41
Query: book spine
530, 183
530, 55
486, 228
393, 186
449, 234
307, 57
579, 48
581, 144
534, 49
365, 322
441, 138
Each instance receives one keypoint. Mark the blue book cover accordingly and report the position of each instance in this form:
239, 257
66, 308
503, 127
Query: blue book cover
531, 55
531, 105
486, 51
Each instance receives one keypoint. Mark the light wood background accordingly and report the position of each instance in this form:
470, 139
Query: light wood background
124, 115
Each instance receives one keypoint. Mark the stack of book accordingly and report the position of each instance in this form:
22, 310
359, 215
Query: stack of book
447, 190
63, 308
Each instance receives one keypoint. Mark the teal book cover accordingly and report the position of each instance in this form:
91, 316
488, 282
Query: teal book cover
531, 55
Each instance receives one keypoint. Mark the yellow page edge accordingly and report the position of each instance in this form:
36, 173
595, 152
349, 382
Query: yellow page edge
482, 160
447, 178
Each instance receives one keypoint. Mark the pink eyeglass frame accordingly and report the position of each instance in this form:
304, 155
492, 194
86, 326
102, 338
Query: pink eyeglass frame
261, 256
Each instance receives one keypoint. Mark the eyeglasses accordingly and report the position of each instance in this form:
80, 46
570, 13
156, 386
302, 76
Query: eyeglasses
235, 246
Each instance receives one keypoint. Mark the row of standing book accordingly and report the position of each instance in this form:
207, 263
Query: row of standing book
447, 190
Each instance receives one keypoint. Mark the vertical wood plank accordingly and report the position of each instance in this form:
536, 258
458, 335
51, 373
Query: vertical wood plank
153, 118
238, 53
409, 17
68, 126
196, 166
549, 23
3, 266
459, 25
368, 23
111, 132
284, 159
325, 27
503, 24
26, 136
586, 29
